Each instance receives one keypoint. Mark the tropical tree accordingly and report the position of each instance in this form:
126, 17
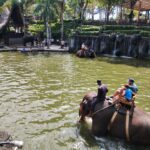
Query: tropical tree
91, 7
108, 4
72, 8
82, 8
2, 2
46, 9
62, 3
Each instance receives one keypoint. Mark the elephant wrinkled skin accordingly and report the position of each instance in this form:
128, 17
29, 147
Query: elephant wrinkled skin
139, 123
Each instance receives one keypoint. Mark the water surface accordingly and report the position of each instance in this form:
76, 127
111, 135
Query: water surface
40, 96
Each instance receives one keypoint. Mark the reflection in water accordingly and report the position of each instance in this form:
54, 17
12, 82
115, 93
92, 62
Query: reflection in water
40, 95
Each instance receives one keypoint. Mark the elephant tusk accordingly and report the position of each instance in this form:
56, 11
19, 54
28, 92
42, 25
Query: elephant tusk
112, 120
127, 126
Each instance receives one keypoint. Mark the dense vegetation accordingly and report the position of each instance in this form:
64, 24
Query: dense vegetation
66, 17
110, 29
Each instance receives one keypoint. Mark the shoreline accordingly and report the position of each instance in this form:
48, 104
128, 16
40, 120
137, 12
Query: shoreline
52, 48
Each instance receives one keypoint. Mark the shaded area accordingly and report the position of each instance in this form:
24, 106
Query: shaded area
113, 44
13, 13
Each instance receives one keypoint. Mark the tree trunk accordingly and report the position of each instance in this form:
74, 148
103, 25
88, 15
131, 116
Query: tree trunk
107, 14
92, 11
131, 15
81, 4
62, 20
84, 9
121, 9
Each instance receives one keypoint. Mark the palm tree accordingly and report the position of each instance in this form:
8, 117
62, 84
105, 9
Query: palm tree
46, 9
62, 3
71, 9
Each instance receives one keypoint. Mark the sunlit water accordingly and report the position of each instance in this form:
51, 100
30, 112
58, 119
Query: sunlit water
40, 96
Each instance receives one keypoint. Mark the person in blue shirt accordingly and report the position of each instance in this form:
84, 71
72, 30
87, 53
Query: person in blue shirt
128, 93
132, 85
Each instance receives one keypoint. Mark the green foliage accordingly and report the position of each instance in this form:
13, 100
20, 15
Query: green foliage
69, 26
5, 4
145, 33
36, 28
108, 3
118, 27
47, 9
122, 31
125, 27
2, 2
88, 28
108, 29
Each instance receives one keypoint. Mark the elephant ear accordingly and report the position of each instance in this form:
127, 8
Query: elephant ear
4, 136
85, 107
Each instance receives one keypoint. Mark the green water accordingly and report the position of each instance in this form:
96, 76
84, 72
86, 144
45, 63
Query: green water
40, 95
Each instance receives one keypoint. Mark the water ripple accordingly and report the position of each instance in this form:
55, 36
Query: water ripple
40, 96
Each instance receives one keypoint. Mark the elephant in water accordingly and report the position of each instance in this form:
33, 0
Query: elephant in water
6, 142
138, 130
83, 53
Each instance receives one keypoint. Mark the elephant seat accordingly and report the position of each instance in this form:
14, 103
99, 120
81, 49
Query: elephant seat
123, 105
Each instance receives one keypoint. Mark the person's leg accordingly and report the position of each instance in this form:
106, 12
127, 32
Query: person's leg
117, 92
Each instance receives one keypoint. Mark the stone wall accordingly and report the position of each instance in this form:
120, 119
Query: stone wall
119, 45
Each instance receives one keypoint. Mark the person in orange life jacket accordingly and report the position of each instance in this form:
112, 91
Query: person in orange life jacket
118, 94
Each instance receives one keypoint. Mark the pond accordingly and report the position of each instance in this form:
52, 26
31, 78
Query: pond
40, 96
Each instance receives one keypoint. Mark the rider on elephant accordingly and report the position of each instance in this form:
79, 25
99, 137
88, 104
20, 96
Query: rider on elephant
132, 85
97, 98
101, 94
126, 94
83, 47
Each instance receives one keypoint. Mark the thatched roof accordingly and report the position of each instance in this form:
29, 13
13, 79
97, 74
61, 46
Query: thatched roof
11, 12
142, 5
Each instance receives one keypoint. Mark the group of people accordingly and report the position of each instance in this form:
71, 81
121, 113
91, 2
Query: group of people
125, 94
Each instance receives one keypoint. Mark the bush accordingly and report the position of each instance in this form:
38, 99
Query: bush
145, 33
118, 27
35, 28
145, 28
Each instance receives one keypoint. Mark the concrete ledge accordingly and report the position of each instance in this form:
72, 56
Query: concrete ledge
53, 48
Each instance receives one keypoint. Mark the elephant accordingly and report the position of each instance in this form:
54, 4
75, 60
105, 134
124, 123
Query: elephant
83, 53
6, 142
29, 39
138, 130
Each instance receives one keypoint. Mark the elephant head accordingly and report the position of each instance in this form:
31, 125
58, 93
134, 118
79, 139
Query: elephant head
86, 104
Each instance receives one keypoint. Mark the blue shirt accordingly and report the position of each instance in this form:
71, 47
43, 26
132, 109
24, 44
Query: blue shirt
128, 94
133, 88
